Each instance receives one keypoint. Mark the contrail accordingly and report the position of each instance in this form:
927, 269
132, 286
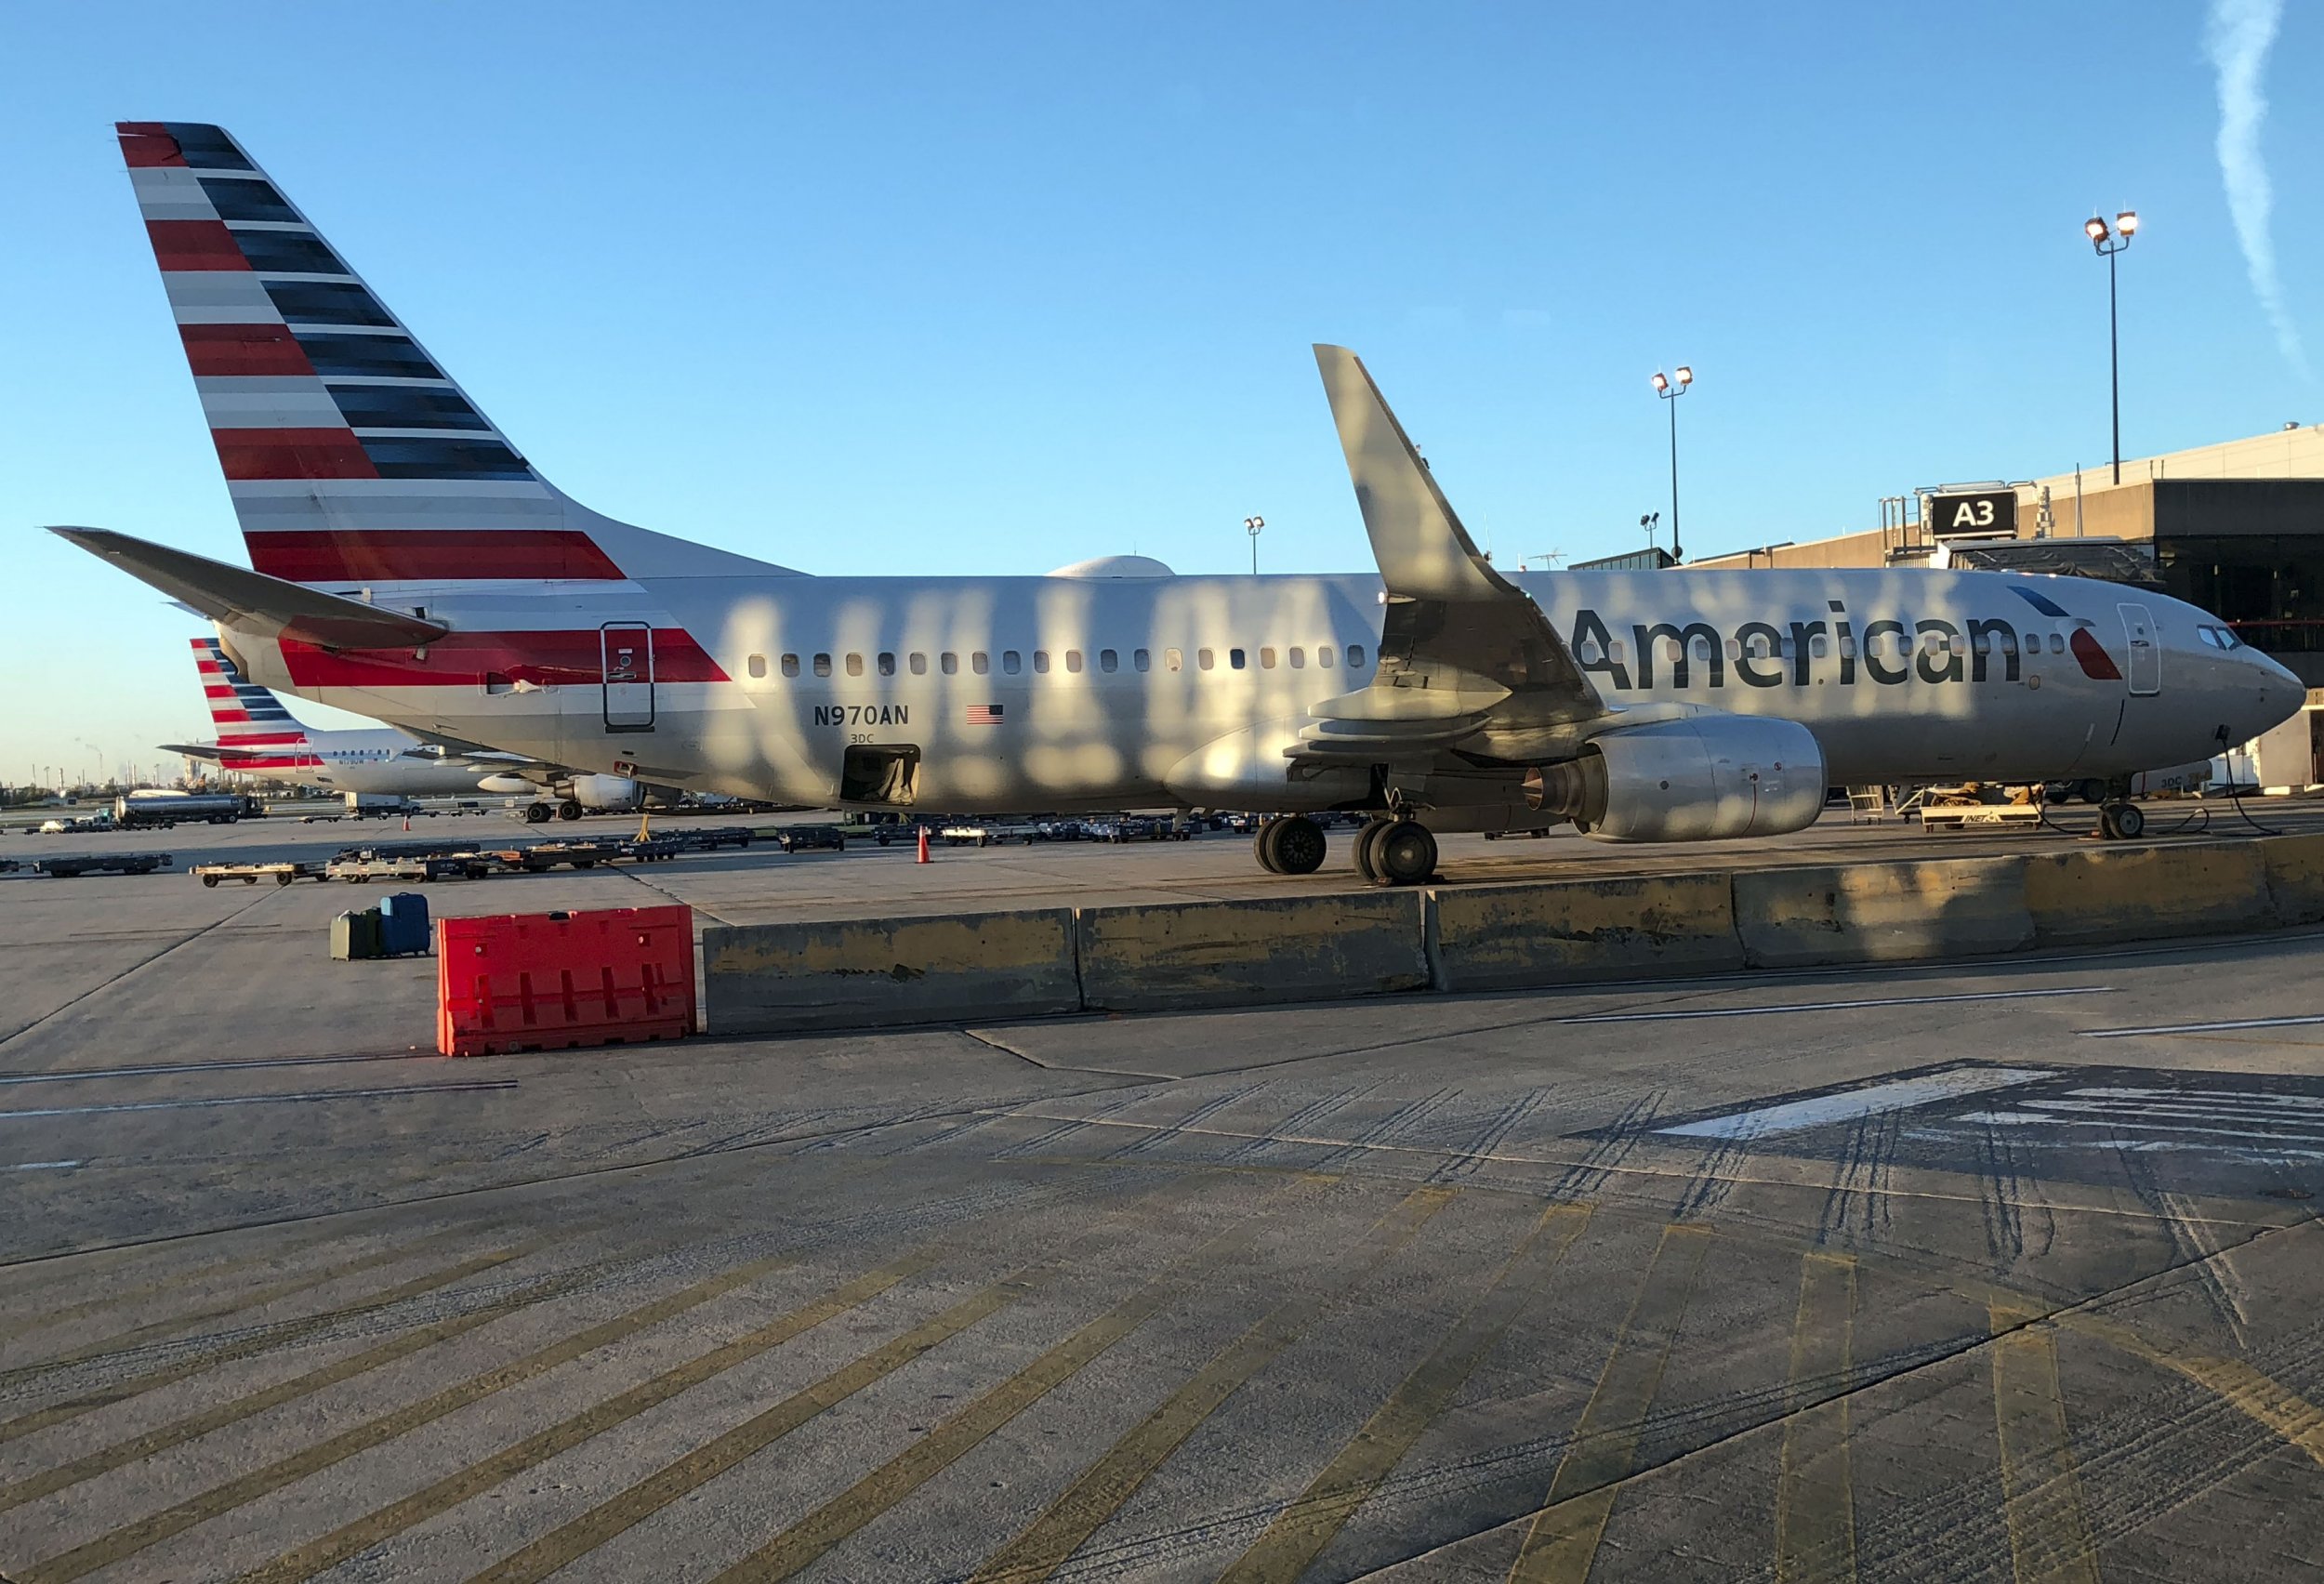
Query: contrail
2237, 39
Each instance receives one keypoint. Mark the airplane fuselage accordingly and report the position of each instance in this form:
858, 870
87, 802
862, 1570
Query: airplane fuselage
1061, 693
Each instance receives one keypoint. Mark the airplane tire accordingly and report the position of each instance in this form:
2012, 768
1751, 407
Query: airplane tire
1406, 854
2122, 821
1301, 846
1263, 847
569, 810
538, 813
1367, 851
2091, 791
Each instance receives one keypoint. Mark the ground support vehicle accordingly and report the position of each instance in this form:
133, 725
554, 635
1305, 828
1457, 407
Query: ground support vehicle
799, 839
110, 864
989, 833
413, 867
251, 874
711, 839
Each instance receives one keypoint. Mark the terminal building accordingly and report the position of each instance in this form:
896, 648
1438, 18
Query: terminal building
2236, 528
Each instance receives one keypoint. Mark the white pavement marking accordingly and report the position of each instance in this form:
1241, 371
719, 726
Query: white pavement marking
1838, 1006
2196, 1027
1848, 1105
258, 1099
44, 1165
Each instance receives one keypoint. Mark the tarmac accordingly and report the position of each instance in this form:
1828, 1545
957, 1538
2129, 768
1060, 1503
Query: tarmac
2001, 1270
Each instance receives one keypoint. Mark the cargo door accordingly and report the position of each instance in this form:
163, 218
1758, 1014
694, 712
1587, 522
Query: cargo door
2145, 667
627, 649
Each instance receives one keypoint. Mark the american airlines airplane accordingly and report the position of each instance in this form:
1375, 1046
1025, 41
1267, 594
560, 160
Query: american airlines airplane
412, 565
257, 736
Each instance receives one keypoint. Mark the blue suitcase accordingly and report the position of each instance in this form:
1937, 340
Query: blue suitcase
403, 924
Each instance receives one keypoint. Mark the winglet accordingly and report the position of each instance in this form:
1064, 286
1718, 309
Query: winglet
1423, 551
251, 602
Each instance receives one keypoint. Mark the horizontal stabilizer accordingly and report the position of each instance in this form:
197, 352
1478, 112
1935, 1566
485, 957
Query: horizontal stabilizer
253, 603
192, 750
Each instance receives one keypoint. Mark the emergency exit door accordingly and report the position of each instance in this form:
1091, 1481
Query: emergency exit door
2138, 632
627, 651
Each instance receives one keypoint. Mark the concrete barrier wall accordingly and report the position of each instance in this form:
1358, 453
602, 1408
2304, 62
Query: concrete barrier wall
1887, 912
1236, 954
873, 972
2148, 893
1576, 932
863, 973
2295, 877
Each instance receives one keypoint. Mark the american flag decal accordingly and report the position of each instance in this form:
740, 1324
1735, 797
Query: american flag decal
984, 715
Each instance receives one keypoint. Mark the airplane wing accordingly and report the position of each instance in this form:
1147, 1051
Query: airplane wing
252, 601
1467, 659
192, 750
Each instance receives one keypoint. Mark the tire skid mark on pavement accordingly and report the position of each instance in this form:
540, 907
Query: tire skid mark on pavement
1100, 1491
603, 1522
1300, 1534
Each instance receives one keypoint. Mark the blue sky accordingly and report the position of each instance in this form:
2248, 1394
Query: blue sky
962, 289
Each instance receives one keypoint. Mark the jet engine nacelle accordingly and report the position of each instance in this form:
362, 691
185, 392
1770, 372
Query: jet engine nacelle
615, 793
509, 785
1696, 779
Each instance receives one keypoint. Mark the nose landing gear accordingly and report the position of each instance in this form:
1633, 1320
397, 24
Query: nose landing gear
2121, 822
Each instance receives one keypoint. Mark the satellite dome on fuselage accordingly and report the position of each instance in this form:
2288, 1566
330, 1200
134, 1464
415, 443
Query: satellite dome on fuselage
1116, 566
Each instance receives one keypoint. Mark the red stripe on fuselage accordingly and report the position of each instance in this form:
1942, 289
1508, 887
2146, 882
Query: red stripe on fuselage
244, 349
292, 454
196, 245
2096, 663
262, 739
464, 659
144, 144
428, 555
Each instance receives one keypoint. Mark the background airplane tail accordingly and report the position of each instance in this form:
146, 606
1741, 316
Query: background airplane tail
246, 715
352, 457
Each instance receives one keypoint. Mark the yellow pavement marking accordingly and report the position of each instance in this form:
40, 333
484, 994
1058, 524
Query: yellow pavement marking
1816, 1536
877, 1492
131, 1295
2258, 1396
131, 1337
1299, 1536
603, 1522
449, 1492
178, 1431
133, 1537
2041, 1499
1563, 1540
258, 1340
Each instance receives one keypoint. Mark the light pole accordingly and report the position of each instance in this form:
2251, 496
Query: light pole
1671, 390
2108, 244
1251, 526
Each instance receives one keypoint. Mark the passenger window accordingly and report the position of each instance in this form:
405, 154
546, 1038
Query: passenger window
757, 664
1297, 657
1356, 658
1735, 650
823, 665
948, 663
1323, 656
978, 664
790, 665
1173, 661
2057, 643
1073, 659
1202, 658
1267, 659
1613, 651
1108, 660
855, 665
1141, 659
1040, 660
1847, 648
1818, 647
887, 664
920, 663
1236, 659
1010, 662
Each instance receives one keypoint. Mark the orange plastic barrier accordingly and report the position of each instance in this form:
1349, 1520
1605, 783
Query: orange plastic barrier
553, 981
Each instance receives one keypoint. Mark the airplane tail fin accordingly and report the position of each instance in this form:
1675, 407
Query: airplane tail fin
351, 457
245, 714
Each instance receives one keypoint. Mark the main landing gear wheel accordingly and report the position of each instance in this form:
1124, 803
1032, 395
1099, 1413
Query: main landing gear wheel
1368, 852
1293, 845
569, 810
1404, 853
539, 813
2121, 822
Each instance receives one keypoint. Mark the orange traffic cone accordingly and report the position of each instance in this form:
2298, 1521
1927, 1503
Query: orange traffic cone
407, 822
923, 857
